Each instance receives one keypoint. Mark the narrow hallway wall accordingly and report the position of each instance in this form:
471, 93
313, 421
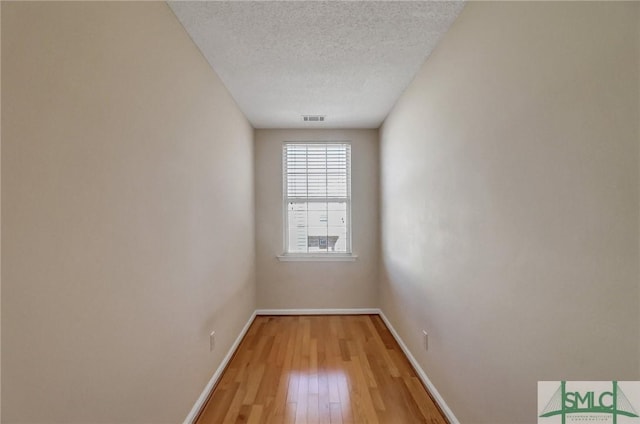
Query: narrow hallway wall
509, 192
127, 214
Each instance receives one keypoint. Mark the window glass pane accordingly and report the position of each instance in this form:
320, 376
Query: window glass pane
337, 218
338, 239
318, 206
297, 221
318, 218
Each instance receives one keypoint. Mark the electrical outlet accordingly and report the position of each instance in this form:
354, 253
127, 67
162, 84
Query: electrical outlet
212, 341
426, 339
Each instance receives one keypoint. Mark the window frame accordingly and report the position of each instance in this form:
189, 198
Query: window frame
316, 256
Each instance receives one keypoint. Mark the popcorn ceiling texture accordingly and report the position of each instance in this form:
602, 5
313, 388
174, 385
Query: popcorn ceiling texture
349, 61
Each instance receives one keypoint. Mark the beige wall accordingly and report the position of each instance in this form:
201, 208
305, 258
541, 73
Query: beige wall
509, 192
127, 221
286, 285
0, 220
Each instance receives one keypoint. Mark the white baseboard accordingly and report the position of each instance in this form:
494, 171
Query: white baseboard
193, 414
421, 374
351, 311
357, 311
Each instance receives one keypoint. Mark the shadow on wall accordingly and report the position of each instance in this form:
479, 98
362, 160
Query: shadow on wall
227, 306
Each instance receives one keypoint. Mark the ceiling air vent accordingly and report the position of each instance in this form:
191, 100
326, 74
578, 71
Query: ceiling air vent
313, 118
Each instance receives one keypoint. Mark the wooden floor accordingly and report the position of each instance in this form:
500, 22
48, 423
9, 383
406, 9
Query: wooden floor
319, 369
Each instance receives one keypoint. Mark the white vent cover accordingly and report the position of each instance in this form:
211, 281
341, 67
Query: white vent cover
313, 118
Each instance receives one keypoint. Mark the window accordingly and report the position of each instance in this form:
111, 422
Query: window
317, 198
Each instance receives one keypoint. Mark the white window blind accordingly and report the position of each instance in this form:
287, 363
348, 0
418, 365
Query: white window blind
317, 196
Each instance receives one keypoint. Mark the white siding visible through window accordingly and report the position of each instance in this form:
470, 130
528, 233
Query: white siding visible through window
317, 197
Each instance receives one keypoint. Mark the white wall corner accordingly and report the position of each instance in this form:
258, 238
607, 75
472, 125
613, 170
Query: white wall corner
421, 373
204, 396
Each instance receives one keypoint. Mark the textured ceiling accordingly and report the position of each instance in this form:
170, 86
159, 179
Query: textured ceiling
347, 60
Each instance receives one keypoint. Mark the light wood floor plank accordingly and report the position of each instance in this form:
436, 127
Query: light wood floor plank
336, 369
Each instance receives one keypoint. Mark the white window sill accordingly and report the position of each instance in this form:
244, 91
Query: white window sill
349, 257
